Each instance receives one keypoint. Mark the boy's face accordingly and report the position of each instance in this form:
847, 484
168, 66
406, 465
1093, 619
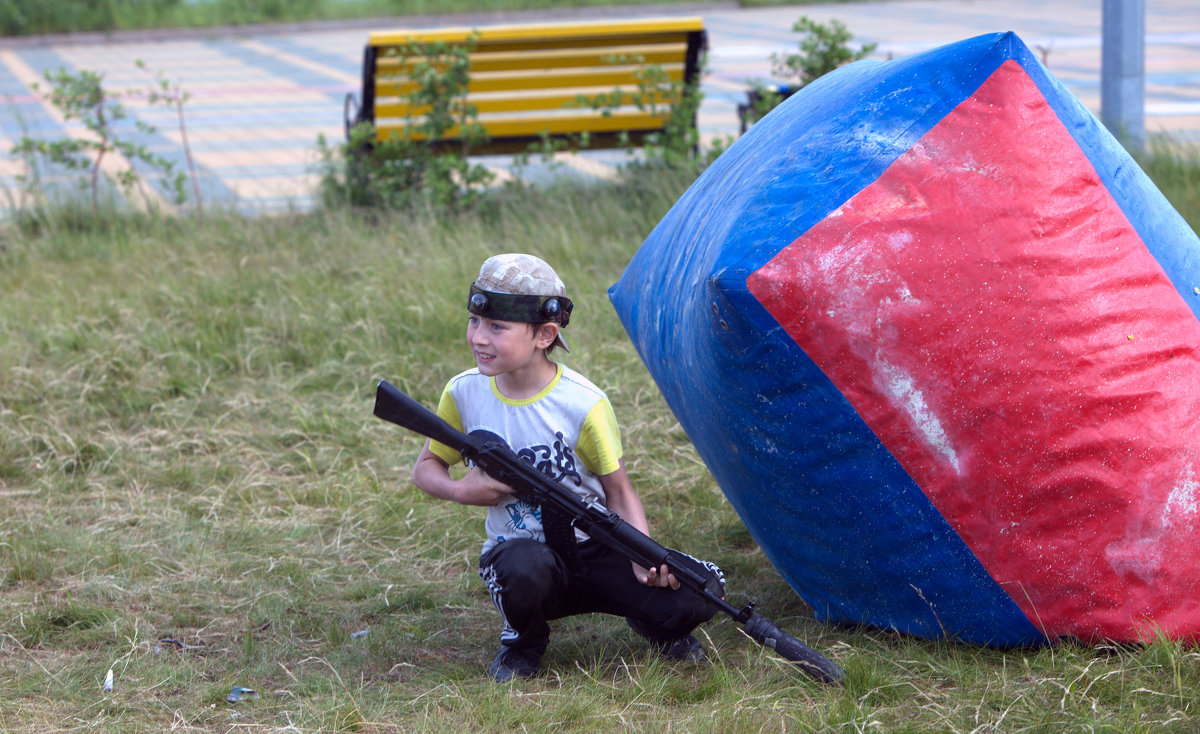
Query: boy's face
501, 347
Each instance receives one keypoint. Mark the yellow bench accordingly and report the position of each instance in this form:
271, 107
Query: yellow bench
526, 81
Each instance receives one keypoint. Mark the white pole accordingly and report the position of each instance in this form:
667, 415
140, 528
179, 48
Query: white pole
1123, 71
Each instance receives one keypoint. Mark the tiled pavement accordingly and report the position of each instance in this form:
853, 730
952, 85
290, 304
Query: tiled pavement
259, 98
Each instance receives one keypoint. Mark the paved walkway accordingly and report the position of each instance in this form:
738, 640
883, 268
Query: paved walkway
259, 98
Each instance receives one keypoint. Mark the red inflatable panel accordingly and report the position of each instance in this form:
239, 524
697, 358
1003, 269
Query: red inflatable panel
1029, 365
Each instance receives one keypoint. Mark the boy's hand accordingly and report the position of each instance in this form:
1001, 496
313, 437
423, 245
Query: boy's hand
477, 488
660, 577
432, 475
621, 499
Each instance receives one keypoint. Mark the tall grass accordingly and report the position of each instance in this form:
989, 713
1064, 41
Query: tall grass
1175, 168
196, 496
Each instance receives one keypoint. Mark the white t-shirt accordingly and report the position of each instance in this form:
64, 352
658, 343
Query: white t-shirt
568, 431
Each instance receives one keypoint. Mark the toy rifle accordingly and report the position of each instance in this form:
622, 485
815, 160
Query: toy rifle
600, 523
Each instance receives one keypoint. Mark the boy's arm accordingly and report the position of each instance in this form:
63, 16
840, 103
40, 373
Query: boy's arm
621, 498
432, 475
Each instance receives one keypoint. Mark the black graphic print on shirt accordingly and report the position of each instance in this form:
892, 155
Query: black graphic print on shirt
556, 461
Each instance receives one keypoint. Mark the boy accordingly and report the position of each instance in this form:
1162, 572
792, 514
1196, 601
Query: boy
537, 568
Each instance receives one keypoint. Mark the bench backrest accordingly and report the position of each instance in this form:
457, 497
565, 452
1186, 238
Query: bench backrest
525, 81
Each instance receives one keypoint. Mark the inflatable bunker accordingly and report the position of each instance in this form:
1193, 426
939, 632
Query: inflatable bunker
935, 335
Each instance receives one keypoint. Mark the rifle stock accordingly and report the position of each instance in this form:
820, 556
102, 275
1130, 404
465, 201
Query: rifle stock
598, 522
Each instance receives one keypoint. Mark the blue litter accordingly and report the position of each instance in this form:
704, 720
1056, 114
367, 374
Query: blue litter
238, 693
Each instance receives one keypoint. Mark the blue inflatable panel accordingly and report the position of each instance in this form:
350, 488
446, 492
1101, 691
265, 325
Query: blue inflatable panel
828, 312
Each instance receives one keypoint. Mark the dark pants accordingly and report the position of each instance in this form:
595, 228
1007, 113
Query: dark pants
530, 585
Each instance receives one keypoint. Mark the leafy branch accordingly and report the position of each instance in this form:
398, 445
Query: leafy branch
172, 95
81, 96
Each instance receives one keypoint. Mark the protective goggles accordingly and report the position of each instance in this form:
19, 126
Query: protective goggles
512, 307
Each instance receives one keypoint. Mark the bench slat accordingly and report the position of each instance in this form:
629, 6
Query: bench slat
567, 100
549, 79
567, 34
387, 66
552, 43
553, 125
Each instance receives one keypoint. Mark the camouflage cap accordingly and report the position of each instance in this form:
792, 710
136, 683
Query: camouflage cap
519, 287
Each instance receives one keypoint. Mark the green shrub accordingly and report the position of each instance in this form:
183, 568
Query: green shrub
823, 48
414, 167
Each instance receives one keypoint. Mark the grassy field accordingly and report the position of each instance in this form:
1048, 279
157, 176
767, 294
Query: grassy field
25, 17
28, 17
196, 496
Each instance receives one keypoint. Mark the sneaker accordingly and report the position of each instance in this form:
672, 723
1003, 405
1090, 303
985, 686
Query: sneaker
514, 663
684, 650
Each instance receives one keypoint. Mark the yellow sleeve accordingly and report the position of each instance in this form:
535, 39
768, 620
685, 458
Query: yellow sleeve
448, 411
600, 440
